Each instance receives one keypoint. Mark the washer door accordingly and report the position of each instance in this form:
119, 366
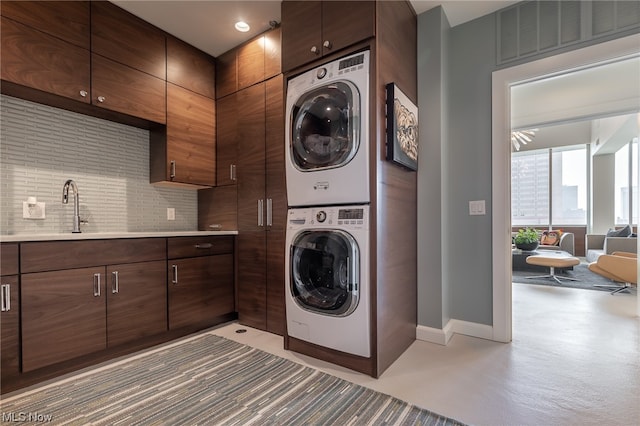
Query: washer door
325, 269
325, 127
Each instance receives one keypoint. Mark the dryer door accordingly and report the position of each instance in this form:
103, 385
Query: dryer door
325, 127
325, 271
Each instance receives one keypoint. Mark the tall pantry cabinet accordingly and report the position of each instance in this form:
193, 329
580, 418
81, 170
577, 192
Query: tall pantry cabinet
250, 195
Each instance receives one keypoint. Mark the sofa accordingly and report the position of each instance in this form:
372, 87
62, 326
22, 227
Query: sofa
614, 240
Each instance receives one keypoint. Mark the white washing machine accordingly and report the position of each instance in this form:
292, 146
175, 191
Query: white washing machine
327, 277
327, 134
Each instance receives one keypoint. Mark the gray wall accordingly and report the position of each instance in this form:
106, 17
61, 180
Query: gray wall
41, 147
432, 45
461, 140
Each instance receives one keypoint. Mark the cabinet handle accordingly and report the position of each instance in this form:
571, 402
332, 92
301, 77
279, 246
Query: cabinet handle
327, 44
101, 99
260, 211
6, 297
96, 285
314, 50
174, 269
269, 212
232, 172
204, 246
172, 170
83, 93
115, 285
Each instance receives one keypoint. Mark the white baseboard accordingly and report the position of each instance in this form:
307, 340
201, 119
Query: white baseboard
454, 326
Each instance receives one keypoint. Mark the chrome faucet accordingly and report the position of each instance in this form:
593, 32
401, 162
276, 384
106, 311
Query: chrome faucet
76, 203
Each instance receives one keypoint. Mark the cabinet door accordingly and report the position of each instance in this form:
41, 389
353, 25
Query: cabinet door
276, 189
118, 35
200, 289
252, 291
301, 32
123, 89
345, 23
251, 158
227, 140
191, 137
275, 281
226, 74
10, 327
65, 20
190, 68
40, 61
63, 316
272, 53
136, 301
250, 59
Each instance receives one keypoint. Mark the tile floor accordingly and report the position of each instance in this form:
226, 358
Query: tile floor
574, 360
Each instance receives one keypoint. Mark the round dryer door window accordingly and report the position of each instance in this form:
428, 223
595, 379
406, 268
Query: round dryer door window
326, 127
325, 272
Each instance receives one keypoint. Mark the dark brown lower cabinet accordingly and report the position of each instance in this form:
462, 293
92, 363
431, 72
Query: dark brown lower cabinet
136, 301
200, 290
252, 290
10, 327
63, 315
74, 312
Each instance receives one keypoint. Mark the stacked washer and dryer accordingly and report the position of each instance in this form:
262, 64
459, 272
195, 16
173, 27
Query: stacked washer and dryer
327, 237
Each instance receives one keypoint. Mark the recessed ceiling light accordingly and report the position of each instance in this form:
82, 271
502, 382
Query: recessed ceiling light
242, 26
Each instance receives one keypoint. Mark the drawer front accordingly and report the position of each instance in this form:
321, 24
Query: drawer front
57, 255
180, 247
9, 259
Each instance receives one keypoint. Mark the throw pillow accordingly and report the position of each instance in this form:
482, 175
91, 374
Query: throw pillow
550, 238
622, 232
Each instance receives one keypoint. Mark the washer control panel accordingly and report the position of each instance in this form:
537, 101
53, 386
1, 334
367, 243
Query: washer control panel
341, 217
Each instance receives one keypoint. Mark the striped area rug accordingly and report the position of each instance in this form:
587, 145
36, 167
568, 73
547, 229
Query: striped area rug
209, 380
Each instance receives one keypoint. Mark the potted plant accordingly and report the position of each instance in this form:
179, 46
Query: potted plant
526, 239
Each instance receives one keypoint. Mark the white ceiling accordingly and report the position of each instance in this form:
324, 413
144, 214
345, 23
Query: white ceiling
208, 24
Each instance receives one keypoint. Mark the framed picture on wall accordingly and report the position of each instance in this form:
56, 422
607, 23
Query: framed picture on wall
402, 129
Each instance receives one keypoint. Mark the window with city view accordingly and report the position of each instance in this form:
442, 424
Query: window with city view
549, 187
626, 176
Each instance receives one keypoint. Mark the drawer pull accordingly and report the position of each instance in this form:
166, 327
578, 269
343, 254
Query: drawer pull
115, 285
172, 170
203, 246
174, 269
96, 285
6, 297
232, 172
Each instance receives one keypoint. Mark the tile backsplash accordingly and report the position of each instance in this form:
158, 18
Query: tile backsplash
41, 147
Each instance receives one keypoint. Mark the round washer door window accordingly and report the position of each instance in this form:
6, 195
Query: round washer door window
325, 269
326, 127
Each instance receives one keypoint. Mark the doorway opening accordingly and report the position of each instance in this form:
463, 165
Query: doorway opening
503, 82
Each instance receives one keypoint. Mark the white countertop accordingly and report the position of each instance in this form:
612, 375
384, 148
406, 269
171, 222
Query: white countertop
108, 235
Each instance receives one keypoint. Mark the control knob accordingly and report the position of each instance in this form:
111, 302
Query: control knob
321, 216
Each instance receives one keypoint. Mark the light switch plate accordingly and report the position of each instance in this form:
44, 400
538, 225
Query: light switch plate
171, 213
477, 208
35, 211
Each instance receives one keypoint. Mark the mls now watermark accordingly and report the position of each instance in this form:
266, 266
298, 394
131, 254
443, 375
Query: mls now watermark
26, 417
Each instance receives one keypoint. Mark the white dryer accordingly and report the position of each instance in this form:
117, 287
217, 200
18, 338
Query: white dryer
327, 134
327, 277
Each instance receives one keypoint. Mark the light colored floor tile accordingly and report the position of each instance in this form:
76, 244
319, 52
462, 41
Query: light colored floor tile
574, 360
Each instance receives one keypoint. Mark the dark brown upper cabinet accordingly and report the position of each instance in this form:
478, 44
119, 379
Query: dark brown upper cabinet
252, 62
190, 68
45, 46
313, 29
123, 37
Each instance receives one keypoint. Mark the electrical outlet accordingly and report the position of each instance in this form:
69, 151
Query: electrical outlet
171, 213
33, 211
